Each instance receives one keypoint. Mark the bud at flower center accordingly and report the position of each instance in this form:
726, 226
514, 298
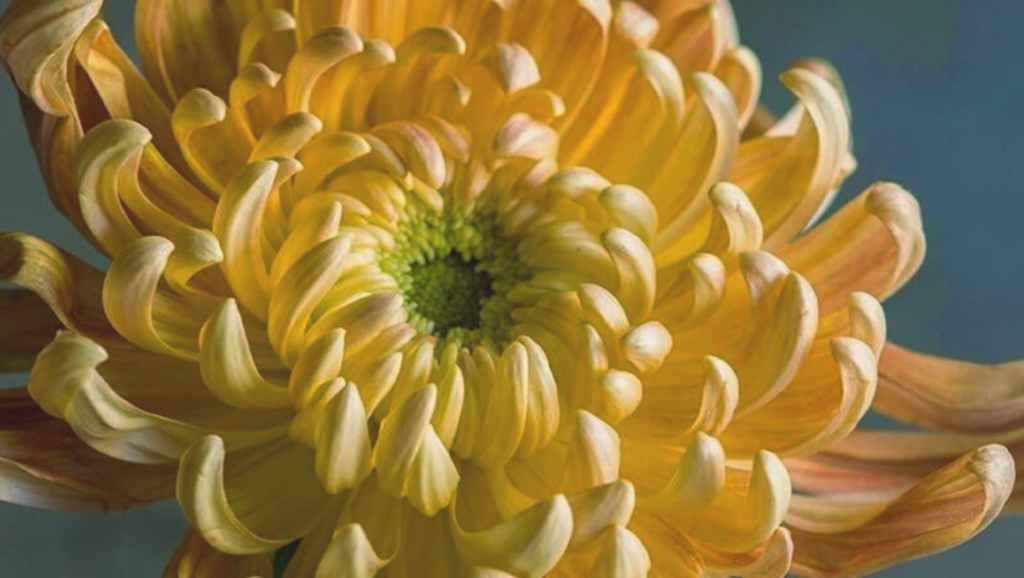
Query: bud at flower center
455, 270
449, 292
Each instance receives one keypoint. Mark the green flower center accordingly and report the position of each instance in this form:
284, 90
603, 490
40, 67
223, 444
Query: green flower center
455, 270
449, 292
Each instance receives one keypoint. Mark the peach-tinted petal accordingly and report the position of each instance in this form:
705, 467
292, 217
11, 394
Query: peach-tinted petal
950, 395
841, 535
43, 464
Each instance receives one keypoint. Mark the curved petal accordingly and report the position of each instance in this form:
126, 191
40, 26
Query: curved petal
874, 244
839, 535
195, 558
65, 382
184, 44
227, 365
254, 502
71, 288
43, 464
528, 544
806, 166
37, 40
950, 395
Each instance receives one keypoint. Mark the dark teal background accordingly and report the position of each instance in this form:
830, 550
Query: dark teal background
936, 91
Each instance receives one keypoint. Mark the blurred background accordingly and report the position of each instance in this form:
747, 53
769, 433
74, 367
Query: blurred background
934, 86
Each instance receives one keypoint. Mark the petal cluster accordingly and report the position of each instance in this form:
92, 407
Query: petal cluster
662, 360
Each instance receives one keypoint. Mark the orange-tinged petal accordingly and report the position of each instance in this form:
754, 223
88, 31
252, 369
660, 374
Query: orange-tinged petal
839, 536
195, 558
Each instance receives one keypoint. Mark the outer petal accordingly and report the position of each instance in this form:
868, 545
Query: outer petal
951, 395
43, 464
844, 535
258, 502
195, 558
66, 383
37, 39
70, 287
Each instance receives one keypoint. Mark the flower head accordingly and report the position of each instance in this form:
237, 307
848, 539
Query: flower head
472, 288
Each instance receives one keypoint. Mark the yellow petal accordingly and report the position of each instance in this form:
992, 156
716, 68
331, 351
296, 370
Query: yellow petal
237, 225
622, 556
65, 382
735, 522
213, 138
316, 364
529, 544
542, 407
349, 555
401, 435
274, 506
343, 455
141, 310
299, 292
647, 346
637, 275
505, 414
696, 482
599, 509
433, 477
195, 558
227, 365
593, 458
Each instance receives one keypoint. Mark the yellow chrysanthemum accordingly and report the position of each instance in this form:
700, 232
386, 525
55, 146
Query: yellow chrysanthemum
473, 288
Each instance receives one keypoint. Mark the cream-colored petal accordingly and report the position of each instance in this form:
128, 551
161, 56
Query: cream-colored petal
66, 383
593, 457
349, 555
622, 556
528, 544
402, 434
646, 346
599, 509
256, 501
227, 365
343, 451
37, 40
141, 310
299, 292
696, 482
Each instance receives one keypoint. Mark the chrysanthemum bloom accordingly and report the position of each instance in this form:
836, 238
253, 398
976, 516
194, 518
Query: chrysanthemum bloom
473, 288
